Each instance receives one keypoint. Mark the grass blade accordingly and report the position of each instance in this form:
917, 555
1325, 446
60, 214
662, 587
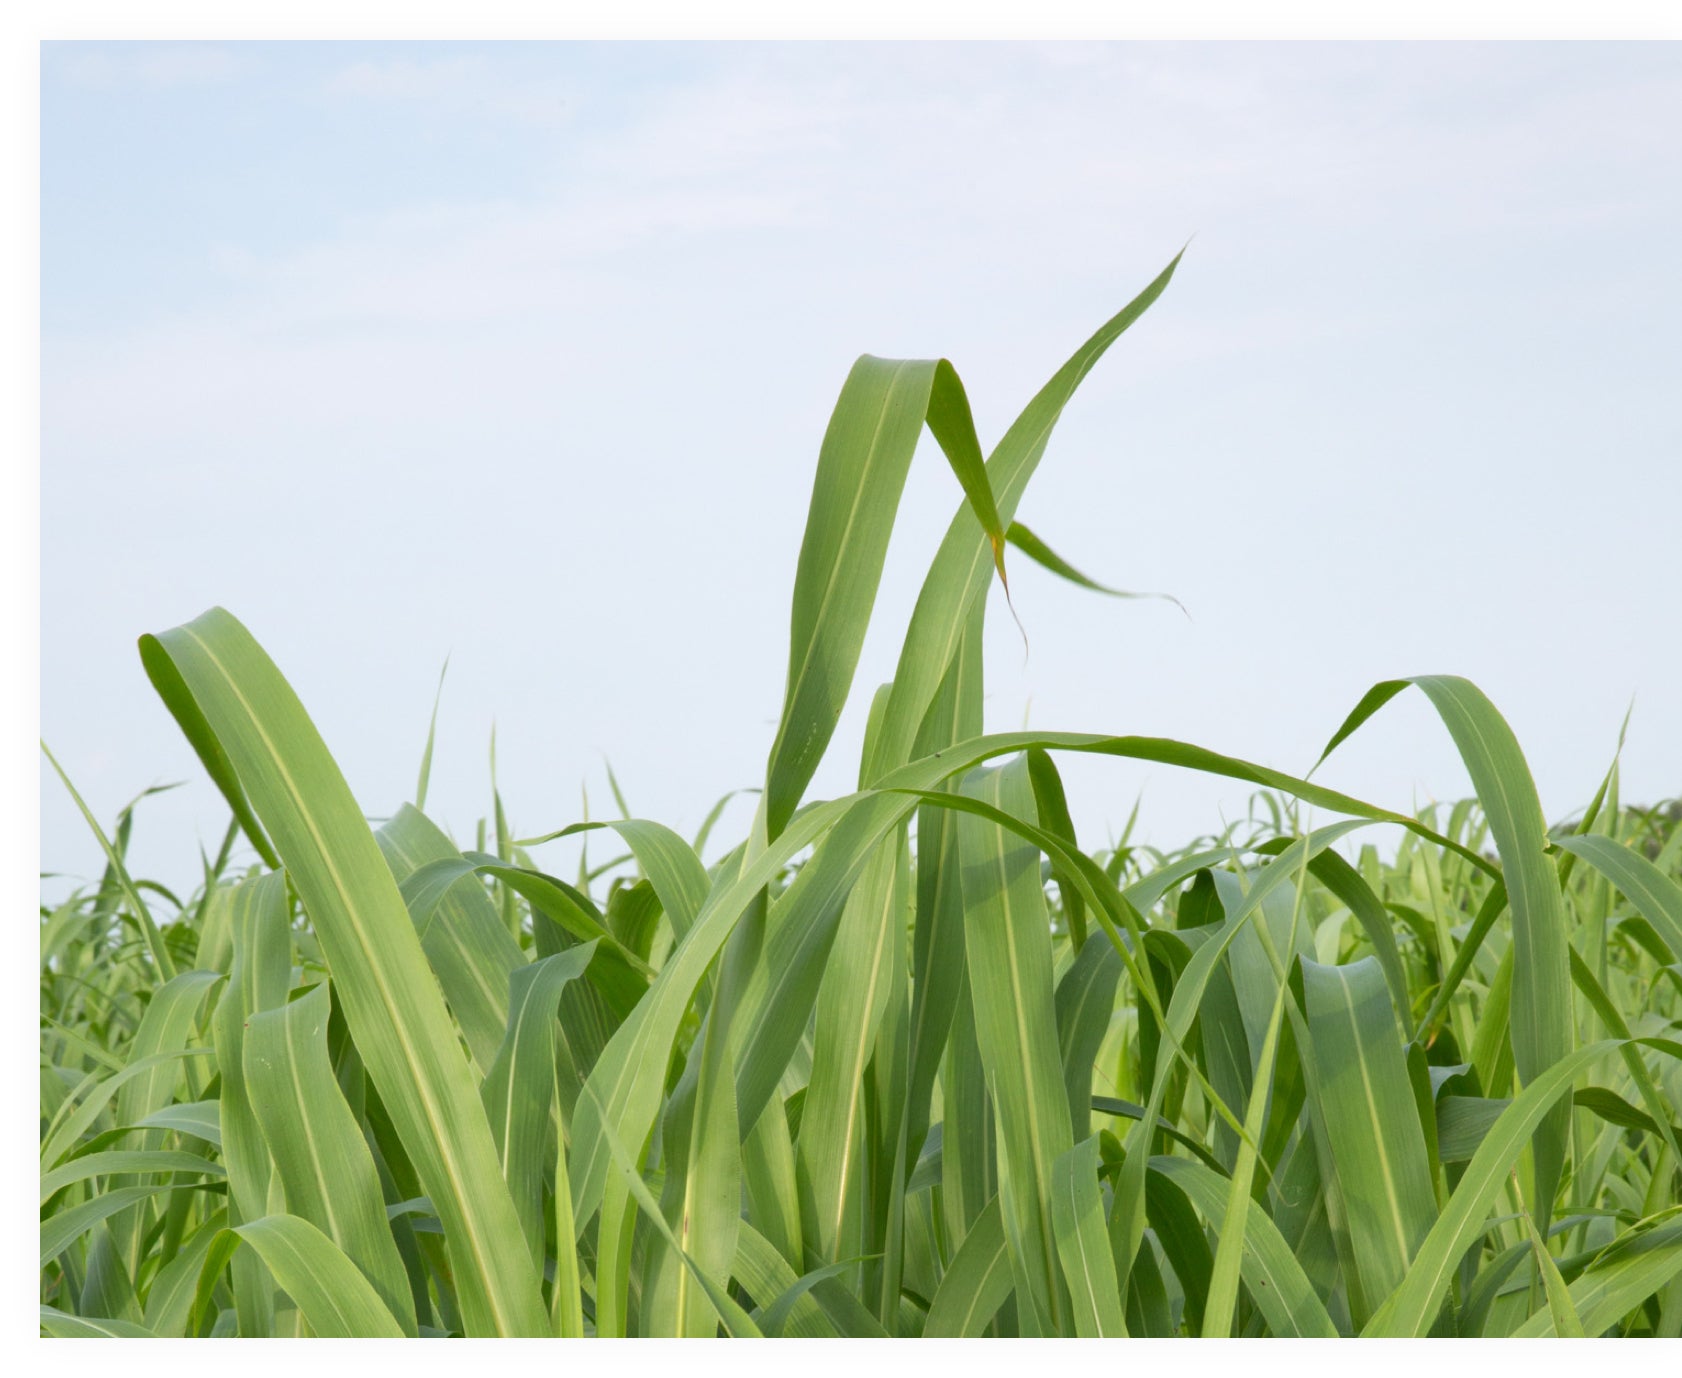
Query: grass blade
977, 1283
959, 575
390, 999
1047, 558
1619, 1280
1411, 1308
1377, 1146
1008, 946
1083, 1245
1275, 1279
320, 1156
1541, 1019
332, 1294
465, 940
519, 1089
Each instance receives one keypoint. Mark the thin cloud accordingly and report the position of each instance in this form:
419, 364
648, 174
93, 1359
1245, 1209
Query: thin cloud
141, 66
472, 84
750, 158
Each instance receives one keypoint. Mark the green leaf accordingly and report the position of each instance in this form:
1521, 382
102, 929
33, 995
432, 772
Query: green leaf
391, 1001
169, 1300
850, 1006
775, 1316
1411, 1308
937, 941
672, 866
320, 1156
1275, 1279
770, 1184
259, 974
62, 1229
66, 1327
702, 1195
519, 1089
1229, 1252
126, 1161
167, 1023
1655, 895
332, 1293
1007, 938
1462, 1123
618, 1087
762, 1271
1047, 558
861, 473
976, 1284
469, 948
1623, 1276
863, 819
959, 575
1377, 1144
1083, 1245
1561, 1311
1127, 1223
183, 699
1128, 1110
736, 1321
1541, 994
431, 735
1085, 1002
119, 873
88, 1101
1614, 1109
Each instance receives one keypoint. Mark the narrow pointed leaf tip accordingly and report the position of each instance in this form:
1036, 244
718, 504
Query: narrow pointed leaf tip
1043, 555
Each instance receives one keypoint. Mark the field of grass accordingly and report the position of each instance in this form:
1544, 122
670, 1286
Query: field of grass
906, 1062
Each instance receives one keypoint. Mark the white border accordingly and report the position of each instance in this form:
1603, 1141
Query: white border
899, 19
26, 26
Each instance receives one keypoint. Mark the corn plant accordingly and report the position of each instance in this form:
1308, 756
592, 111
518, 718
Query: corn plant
911, 1061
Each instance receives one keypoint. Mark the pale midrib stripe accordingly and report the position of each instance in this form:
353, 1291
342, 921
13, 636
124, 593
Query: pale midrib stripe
664, 851
309, 1134
867, 1028
1458, 1212
1047, 1242
450, 933
796, 681
1378, 1129
1085, 1261
954, 632
513, 1070
610, 1108
434, 1120
403, 853
1006, 501
474, 974
948, 844
326, 1294
1521, 897
94, 1325
942, 887
1272, 1279
689, 1179
999, 1256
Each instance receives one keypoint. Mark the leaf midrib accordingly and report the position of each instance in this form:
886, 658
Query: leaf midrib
440, 1140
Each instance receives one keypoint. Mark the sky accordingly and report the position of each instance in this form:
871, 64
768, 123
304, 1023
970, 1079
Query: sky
520, 355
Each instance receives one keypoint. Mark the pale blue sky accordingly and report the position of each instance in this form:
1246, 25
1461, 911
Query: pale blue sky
522, 353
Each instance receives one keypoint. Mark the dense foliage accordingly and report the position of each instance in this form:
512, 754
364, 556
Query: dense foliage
908, 1062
